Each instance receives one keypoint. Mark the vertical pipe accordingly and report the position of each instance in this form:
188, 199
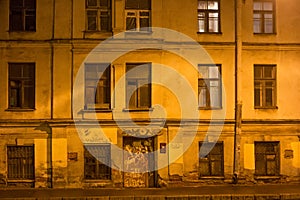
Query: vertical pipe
238, 104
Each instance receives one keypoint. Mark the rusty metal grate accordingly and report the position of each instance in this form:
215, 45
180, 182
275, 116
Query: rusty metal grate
20, 161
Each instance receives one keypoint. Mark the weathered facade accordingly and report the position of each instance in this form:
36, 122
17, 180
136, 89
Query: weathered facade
66, 110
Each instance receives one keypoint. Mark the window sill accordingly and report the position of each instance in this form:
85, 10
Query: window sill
20, 181
22, 31
20, 110
212, 177
208, 108
99, 110
210, 33
266, 108
266, 177
137, 109
97, 180
266, 34
138, 32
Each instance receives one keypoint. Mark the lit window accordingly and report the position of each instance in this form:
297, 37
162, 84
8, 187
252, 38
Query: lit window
263, 16
208, 16
209, 86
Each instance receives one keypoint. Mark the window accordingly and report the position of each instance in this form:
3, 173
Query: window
20, 160
209, 86
138, 86
138, 15
21, 85
263, 16
98, 13
97, 162
211, 164
264, 86
22, 16
97, 86
208, 16
267, 158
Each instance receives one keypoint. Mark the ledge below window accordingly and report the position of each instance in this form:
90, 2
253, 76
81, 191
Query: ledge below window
266, 108
137, 109
95, 111
208, 108
212, 177
20, 110
266, 177
210, 33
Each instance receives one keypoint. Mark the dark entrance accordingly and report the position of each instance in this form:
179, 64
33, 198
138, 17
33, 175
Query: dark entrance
139, 164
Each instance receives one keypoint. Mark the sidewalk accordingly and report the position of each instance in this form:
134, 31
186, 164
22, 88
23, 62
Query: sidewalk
236, 192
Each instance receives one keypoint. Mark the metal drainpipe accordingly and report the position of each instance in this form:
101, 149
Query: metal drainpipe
238, 104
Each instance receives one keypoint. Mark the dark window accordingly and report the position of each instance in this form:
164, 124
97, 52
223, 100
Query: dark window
208, 16
21, 85
20, 161
212, 162
138, 85
263, 16
264, 86
97, 161
267, 158
98, 13
209, 86
97, 86
22, 15
138, 15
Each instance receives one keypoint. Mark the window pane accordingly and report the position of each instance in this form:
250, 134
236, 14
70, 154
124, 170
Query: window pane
268, 72
213, 72
213, 5
91, 2
145, 4
213, 22
202, 97
132, 4
257, 97
104, 21
131, 94
269, 97
145, 96
104, 3
29, 4
14, 97
92, 20
201, 22
268, 6
258, 72
29, 97
130, 23
268, 23
90, 95
202, 4
16, 22
257, 23
144, 23
30, 23
257, 6
16, 3
214, 94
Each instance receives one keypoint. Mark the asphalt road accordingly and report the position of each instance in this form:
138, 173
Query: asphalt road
176, 191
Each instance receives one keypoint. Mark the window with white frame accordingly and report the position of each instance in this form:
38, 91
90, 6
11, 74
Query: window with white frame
263, 16
137, 14
98, 15
208, 16
209, 86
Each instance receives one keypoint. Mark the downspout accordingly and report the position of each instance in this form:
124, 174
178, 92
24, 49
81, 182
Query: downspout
238, 104
72, 56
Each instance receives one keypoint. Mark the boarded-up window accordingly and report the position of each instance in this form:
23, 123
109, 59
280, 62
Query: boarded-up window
211, 163
267, 158
20, 161
97, 161
22, 15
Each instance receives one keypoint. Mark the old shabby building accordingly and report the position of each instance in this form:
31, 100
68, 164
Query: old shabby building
63, 103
